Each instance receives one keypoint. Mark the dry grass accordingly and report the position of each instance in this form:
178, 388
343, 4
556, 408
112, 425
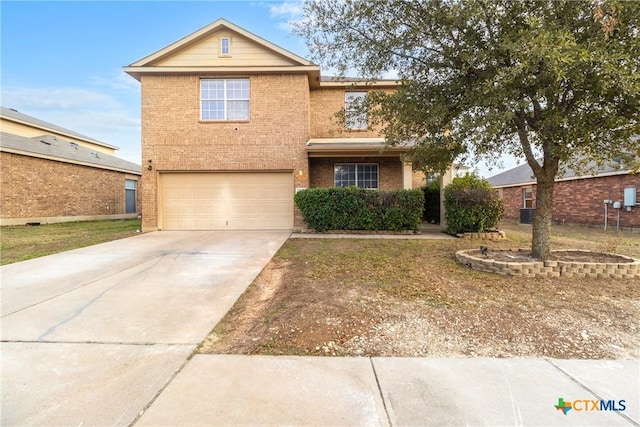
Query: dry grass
410, 298
19, 243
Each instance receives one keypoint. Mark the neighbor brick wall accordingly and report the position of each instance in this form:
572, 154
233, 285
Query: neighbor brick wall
33, 187
581, 201
389, 170
174, 138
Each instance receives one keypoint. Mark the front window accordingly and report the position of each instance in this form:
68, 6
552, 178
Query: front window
363, 175
527, 197
355, 116
224, 99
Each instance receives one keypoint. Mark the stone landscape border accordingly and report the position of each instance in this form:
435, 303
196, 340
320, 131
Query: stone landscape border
542, 269
488, 235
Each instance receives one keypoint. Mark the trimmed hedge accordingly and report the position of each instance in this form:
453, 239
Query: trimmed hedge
355, 208
471, 205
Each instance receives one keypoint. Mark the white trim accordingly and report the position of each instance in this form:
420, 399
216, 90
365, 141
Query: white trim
225, 99
330, 141
221, 53
359, 84
356, 164
211, 28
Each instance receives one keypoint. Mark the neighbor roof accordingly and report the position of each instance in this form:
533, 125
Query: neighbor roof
523, 174
18, 117
54, 148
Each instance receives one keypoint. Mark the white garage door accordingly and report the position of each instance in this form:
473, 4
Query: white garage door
226, 201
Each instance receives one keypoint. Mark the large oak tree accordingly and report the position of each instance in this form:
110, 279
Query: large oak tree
554, 82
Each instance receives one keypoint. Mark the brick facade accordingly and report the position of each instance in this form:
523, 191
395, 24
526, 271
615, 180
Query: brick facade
580, 201
325, 103
38, 188
389, 170
175, 139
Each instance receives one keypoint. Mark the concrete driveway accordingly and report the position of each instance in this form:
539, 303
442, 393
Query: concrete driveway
91, 336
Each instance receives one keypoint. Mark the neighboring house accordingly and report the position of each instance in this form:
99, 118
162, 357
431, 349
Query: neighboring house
233, 125
51, 174
578, 198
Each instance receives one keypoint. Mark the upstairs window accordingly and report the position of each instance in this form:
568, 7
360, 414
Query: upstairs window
225, 46
363, 175
224, 99
356, 118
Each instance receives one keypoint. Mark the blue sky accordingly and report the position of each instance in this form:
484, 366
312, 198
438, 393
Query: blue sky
62, 61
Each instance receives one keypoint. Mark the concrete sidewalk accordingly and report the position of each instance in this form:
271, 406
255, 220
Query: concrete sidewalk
286, 390
91, 336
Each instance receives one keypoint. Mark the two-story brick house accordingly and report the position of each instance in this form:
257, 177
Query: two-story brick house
233, 125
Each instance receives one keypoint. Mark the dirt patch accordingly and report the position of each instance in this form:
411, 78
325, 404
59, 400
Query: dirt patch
355, 297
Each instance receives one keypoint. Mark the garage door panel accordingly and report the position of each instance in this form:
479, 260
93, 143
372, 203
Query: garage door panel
226, 201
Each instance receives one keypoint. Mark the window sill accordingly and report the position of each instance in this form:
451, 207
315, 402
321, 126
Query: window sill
223, 121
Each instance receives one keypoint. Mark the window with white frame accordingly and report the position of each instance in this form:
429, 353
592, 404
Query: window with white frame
224, 99
363, 175
527, 197
225, 46
130, 195
355, 116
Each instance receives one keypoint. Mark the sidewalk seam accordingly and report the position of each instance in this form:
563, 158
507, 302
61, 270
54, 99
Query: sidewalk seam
384, 403
584, 386
161, 390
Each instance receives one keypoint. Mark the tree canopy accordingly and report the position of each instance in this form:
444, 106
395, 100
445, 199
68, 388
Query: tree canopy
553, 82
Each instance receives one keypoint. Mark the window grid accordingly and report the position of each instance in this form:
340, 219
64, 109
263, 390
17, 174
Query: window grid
224, 99
362, 175
224, 46
527, 197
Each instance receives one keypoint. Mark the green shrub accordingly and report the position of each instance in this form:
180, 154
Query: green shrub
471, 205
431, 202
359, 209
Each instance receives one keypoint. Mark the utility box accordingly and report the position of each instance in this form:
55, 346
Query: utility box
526, 215
630, 196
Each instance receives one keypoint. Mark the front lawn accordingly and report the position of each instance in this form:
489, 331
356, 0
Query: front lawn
22, 242
410, 298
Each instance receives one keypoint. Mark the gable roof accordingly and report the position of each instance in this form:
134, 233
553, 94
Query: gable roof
523, 174
18, 117
53, 148
149, 64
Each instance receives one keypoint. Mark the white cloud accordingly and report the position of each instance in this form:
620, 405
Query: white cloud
287, 13
61, 98
93, 113
118, 80
289, 9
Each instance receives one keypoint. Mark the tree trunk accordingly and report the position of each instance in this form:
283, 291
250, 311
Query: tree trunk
542, 220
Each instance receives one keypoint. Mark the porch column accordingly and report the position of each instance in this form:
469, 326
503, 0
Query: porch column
445, 179
407, 176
